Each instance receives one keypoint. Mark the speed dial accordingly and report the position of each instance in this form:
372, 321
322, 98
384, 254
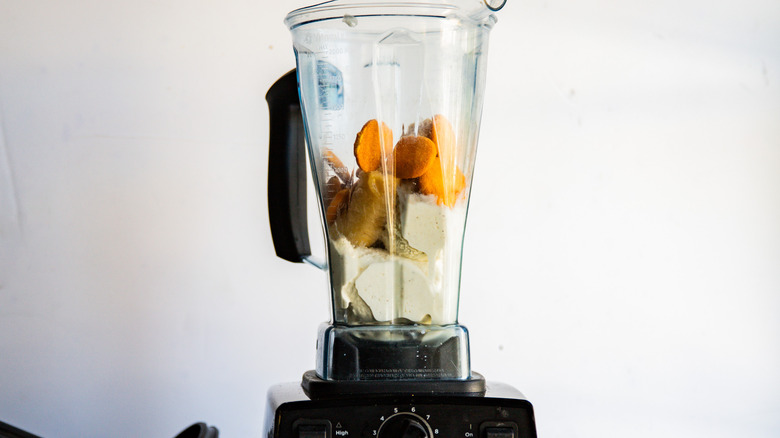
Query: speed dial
404, 425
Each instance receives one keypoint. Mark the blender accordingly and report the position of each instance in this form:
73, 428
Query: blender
388, 98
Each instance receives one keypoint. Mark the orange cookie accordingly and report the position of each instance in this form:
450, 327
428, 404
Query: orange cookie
337, 165
413, 156
439, 129
446, 187
426, 126
332, 186
369, 146
336, 205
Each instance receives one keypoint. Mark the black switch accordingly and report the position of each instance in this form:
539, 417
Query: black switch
313, 431
499, 432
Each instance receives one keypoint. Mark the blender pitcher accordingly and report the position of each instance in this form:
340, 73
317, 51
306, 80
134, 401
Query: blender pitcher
389, 95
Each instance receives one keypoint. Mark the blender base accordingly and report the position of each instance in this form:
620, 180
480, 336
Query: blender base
501, 412
393, 352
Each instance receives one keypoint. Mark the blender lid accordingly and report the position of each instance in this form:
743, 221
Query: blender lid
474, 10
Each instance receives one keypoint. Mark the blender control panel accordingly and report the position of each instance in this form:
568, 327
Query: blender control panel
433, 416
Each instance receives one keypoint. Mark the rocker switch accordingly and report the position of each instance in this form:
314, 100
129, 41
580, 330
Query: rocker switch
313, 431
499, 432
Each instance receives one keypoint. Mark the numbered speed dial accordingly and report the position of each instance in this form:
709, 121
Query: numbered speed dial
405, 425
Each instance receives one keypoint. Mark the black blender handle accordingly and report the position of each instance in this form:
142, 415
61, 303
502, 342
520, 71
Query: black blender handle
287, 171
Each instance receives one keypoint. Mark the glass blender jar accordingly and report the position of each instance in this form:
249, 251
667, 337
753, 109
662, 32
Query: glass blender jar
390, 95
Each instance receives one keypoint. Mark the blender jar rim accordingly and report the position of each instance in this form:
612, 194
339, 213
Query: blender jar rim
337, 9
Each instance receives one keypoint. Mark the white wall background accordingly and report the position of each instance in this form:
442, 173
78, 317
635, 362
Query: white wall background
622, 261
